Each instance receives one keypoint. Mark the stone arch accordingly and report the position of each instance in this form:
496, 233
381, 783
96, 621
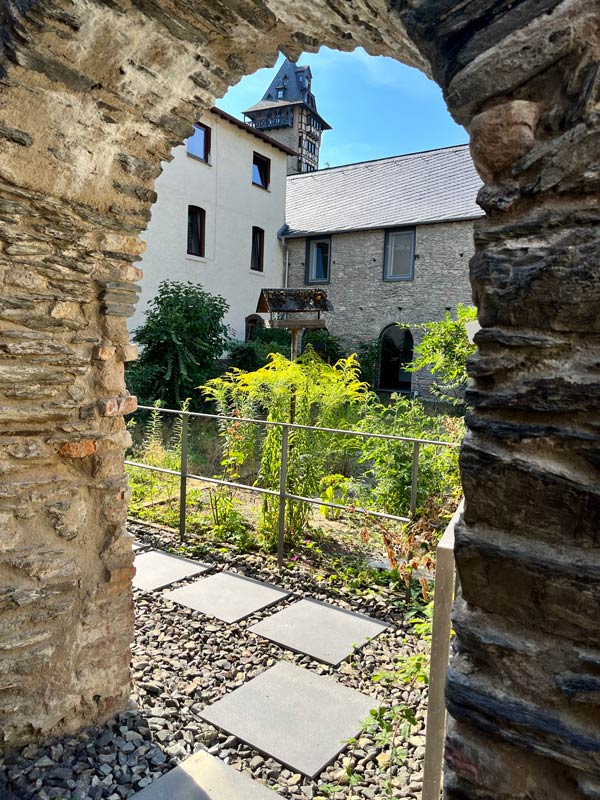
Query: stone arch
395, 352
94, 96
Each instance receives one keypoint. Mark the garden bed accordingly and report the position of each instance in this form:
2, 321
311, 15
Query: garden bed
183, 662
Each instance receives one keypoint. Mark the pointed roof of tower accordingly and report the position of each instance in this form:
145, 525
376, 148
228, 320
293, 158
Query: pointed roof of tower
290, 86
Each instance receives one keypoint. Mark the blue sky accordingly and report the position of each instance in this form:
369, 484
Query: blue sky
376, 106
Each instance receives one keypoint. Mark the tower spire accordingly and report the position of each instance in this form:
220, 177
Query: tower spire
288, 110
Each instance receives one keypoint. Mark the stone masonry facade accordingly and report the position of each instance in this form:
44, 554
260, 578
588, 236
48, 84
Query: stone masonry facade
94, 96
364, 304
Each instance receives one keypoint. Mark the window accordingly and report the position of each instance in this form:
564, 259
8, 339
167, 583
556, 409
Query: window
258, 249
317, 260
261, 171
198, 145
399, 256
195, 238
280, 94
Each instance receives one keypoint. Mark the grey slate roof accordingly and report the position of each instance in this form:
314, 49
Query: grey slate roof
432, 186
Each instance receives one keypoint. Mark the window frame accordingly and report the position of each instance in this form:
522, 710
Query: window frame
201, 232
387, 277
207, 143
261, 255
258, 157
310, 242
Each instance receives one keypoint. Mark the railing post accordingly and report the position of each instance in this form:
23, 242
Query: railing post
282, 493
415, 479
183, 476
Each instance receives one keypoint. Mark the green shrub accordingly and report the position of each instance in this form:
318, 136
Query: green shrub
182, 339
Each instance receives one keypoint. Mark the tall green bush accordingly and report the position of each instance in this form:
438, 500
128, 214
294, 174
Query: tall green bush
182, 339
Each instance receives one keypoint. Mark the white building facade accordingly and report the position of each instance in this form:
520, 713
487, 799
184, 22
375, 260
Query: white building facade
220, 207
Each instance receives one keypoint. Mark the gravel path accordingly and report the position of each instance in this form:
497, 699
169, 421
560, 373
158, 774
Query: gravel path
183, 662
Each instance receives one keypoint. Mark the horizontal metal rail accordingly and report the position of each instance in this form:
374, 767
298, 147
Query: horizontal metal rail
295, 425
283, 495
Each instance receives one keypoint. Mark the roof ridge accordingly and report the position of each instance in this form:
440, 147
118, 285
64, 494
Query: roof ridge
377, 160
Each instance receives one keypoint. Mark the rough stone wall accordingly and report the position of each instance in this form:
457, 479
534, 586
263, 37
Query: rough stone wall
94, 95
523, 686
364, 304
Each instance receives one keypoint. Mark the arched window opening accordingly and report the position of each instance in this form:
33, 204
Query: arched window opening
396, 354
253, 323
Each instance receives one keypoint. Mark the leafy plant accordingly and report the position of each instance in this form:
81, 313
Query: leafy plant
307, 391
328, 347
444, 350
254, 354
334, 489
368, 356
389, 463
182, 338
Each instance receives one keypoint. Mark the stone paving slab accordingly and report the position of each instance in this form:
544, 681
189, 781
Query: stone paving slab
325, 632
293, 715
138, 546
204, 777
227, 596
155, 569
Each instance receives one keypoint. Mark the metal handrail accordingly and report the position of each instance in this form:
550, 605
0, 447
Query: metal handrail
363, 434
283, 494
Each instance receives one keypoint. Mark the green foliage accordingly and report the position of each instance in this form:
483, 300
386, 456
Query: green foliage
443, 351
389, 463
182, 338
368, 356
155, 495
328, 347
254, 354
334, 489
308, 392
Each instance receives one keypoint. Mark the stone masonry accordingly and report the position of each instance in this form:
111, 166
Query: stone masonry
94, 96
364, 304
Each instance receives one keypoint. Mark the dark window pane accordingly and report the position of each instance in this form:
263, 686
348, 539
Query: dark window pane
258, 239
319, 260
195, 235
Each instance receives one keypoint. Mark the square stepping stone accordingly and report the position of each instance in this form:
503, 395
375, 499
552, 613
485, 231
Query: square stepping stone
293, 715
227, 596
155, 569
327, 633
204, 777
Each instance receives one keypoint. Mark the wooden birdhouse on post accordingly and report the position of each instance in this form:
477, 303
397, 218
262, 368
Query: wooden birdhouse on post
295, 310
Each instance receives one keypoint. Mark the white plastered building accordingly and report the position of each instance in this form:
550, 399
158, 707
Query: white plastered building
220, 207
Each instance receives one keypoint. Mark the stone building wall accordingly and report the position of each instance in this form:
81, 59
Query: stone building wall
94, 96
364, 304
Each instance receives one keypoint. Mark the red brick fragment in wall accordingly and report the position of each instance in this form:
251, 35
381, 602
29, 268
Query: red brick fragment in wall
81, 449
